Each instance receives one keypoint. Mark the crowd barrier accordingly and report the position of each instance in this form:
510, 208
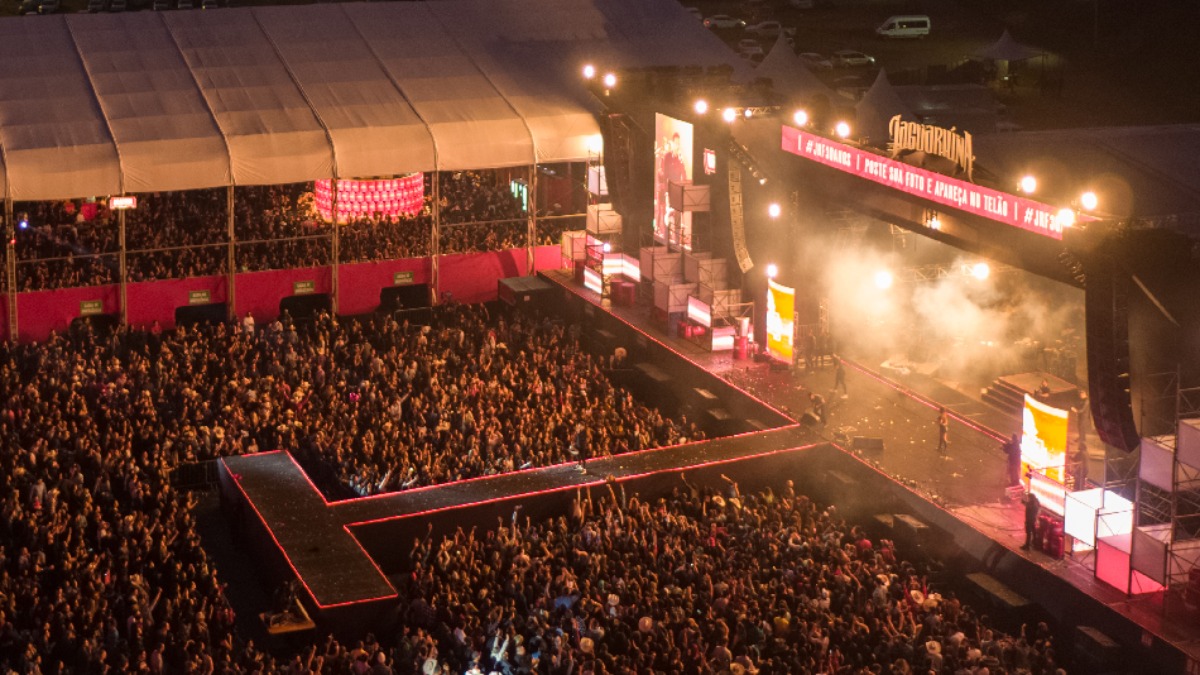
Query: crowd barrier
467, 277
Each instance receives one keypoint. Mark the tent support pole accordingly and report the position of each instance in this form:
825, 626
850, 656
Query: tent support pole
531, 203
435, 239
231, 258
10, 239
336, 245
121, 266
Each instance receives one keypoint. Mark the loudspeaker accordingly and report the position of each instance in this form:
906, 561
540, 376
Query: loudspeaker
1106, 301
1095, 650
809, 419
867, 443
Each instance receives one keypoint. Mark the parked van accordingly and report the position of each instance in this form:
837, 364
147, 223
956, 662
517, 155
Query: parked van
916, 26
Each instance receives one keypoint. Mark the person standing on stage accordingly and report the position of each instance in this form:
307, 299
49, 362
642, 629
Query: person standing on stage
1080, 409
1012, 448
839, 376
581, 446
943, 423
1032, 508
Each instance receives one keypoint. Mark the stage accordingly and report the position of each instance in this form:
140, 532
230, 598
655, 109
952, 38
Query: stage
344, 552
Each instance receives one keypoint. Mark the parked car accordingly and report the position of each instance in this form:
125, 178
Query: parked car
48, 6
815, 61
765, 28
723, 21
849, 58
186, 4
161, 5
118, 6
749, 47
208, 4
94, 6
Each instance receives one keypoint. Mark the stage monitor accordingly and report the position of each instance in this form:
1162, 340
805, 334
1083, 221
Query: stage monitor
672, 163
1043, 439
781, 320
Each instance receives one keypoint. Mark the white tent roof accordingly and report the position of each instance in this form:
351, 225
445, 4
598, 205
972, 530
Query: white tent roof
1008, 49
101, 104
789, 75
878, 106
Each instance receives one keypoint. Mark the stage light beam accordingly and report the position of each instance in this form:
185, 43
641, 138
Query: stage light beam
1028, 184
729, 115
842, 129
774, 210
1089, 201
800, 117
1065, 218
589, 71
772, 270
883, 280
981, 271
701, 106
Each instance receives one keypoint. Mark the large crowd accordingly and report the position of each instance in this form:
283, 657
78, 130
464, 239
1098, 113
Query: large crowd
185, 234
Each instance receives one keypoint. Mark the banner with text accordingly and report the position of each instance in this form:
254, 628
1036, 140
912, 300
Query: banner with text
960, 194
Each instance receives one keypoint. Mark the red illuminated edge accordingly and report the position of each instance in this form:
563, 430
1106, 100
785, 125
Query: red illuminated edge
233, 477
588, 484
988, 431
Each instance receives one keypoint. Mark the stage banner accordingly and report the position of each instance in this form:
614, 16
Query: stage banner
1043, 440
781, 320
1002, 207
672, 163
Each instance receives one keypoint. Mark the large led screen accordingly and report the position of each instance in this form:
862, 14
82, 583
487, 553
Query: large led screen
1043, 439
781, 319
672, 163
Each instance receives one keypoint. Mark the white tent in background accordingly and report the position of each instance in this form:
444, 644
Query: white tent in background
1008, 49
789, 75
879, 105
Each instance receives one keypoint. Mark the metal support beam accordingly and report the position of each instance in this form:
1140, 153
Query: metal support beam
531, 210
336, 245
121, 266
231, 261
10, 243
435, 238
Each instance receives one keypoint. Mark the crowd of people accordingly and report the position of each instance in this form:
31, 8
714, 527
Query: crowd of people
185, 234
704, 581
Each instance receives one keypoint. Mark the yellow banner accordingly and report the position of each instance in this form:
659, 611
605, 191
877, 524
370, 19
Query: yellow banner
781, 320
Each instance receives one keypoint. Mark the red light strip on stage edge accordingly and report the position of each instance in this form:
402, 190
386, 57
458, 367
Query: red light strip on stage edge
959, 194
237, 482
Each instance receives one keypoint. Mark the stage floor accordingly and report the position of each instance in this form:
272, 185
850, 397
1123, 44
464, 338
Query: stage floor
968, 482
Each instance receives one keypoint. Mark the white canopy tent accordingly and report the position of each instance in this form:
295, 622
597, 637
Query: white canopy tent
107, 104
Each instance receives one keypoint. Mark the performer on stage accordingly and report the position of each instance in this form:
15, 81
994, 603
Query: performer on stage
1012, 448
1032, 508
943, 423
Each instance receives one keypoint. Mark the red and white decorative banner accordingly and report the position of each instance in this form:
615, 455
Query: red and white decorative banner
388, 197
959, 194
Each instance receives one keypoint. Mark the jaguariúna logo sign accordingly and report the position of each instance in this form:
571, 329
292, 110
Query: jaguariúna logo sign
949, 143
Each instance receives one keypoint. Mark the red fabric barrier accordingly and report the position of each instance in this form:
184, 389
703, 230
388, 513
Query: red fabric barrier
4, 317
157, 300
359, 284
472, 277
40, 312
260, 292
547, 258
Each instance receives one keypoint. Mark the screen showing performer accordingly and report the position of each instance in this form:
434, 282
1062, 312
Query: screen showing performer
1043, 439
781, 319
672, 163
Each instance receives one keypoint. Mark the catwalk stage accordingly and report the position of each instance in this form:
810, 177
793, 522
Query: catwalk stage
344, 552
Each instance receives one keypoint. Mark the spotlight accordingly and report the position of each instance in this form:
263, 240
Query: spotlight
589, 71
1028, 184
772, 271
701, 106
1065, 218
23, 223
610, 80
981, 270
774, 210
883, 280
1089, 201
729, 115
842, 130
607, 247
762, 181
748, 113
800, 117
595, 144
934, 222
